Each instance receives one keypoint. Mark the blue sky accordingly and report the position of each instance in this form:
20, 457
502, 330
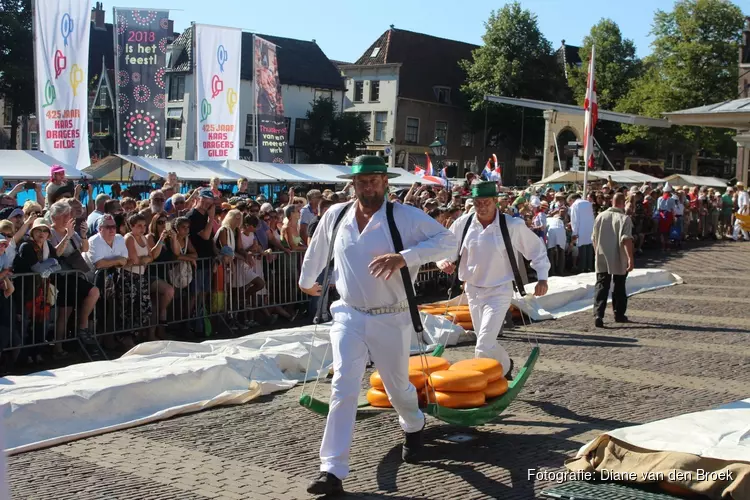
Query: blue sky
345, 28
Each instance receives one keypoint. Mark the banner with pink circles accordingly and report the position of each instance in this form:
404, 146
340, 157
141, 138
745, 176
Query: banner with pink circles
141, 40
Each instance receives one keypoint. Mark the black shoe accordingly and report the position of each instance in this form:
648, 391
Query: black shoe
621, 319
325, 484
599, 323
413, 442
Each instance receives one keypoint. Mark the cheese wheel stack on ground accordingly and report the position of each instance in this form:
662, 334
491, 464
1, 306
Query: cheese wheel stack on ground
458, 315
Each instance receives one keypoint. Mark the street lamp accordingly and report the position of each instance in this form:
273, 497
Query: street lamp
439, 153
439, 148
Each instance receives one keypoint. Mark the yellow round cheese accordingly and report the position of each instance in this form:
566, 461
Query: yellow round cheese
378, 398
460, 399
416, 377
496, 388
458, 381
490, 367
428, 364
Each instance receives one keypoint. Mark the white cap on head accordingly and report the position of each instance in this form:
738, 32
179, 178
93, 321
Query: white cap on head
667, 188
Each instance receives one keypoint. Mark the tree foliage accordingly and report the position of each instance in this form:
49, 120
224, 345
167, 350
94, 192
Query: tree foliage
694, 63
329, 135
516, 60
16, 59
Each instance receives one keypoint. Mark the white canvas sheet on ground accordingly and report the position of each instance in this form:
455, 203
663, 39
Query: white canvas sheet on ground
157, 380
722, 433
574, 294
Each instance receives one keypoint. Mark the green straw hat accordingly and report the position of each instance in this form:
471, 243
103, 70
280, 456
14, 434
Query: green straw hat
368, 164
484, 190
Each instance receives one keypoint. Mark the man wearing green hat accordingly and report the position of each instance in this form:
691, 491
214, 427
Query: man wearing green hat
372, 318
485, 267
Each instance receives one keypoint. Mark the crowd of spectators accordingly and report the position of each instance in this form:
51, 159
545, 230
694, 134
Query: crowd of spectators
132, 262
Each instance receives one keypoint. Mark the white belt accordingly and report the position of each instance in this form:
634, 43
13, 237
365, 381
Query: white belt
398, 308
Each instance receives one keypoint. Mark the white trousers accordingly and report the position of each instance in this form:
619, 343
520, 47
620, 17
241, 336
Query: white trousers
488, 307
737, 230
355, 337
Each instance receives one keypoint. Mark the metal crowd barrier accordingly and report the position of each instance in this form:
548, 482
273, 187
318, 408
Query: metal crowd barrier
45, 311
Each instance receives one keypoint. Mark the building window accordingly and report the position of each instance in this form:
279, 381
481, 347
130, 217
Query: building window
177, 88
34, 140
300, 125
359, 91
375, 52
381, 121
8, 117
374, 90
323, 94
168, 152
443, 94
441, 131
174, 123
467, 139
412, 130
251, 129
102, 100
367, 118
100, 125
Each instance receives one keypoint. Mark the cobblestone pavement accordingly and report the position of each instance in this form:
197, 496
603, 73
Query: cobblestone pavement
687, 349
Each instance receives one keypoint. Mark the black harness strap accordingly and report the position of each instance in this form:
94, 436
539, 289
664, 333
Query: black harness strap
511, 254
518, 281
327, 276
455, 281
398, 246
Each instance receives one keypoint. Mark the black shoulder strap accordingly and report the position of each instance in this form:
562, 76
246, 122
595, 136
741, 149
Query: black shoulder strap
460, 244
398, 245
323, 302
511, 253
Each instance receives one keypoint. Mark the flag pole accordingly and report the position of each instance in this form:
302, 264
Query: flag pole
589, 105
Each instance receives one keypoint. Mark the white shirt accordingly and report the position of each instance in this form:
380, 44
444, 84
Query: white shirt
743, 200
582, 221
484, 259
665, 204
556, 234
424, 239
679, 207
99, 249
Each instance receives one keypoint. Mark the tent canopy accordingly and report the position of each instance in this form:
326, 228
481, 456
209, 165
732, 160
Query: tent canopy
315, 173
695, 180
109, 169
727, 114
30, 165
618, 176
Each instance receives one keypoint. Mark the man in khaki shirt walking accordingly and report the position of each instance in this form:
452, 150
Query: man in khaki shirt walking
613, 244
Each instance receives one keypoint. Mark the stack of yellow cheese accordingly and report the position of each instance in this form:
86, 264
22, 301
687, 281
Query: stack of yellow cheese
458, 315
419, 368
469, 383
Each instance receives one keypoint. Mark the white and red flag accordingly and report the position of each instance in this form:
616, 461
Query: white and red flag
591, 109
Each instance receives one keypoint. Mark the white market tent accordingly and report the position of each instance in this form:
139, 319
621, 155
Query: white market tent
618, 176
134, 168
30, 165
695, 180
313, 173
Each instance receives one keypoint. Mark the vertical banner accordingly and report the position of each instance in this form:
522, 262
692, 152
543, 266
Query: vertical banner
141, 39
217, 91
273, 132
61, 59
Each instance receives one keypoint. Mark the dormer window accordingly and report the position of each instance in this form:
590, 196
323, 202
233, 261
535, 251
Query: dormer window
443, 94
